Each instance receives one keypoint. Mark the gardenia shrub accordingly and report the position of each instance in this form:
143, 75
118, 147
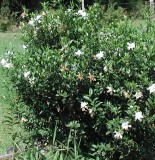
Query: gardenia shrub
94, 78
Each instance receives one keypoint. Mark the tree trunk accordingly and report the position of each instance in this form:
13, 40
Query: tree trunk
83, 5
152, 5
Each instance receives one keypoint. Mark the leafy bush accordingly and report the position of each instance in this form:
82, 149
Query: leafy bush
89, 76
8, 24
138, 10
4, 8
5, 24
111, 13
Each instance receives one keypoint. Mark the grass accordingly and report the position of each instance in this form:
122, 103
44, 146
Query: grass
8, 41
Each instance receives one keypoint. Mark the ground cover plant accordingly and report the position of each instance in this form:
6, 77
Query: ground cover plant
87, 76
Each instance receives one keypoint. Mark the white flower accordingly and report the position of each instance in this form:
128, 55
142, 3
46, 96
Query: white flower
151, 88
42, 151
82, 13
24, 46
138, 95
38, 17
8, 53
3, 62
31, 22
126, 94
84, 106
125, 125
138, 116
100, 55
110, 90
78, 53
90, 111
69, 10
8, 65
118, 135
24, 120
105, 68
131, 46
26, 74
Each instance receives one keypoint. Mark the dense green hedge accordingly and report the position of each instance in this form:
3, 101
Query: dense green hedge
89, 76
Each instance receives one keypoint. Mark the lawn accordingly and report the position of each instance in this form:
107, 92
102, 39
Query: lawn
7, 42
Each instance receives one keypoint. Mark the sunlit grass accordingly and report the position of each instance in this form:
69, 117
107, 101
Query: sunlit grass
8, 41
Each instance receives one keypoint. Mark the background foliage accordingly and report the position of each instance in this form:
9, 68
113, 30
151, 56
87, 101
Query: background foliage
15, 7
